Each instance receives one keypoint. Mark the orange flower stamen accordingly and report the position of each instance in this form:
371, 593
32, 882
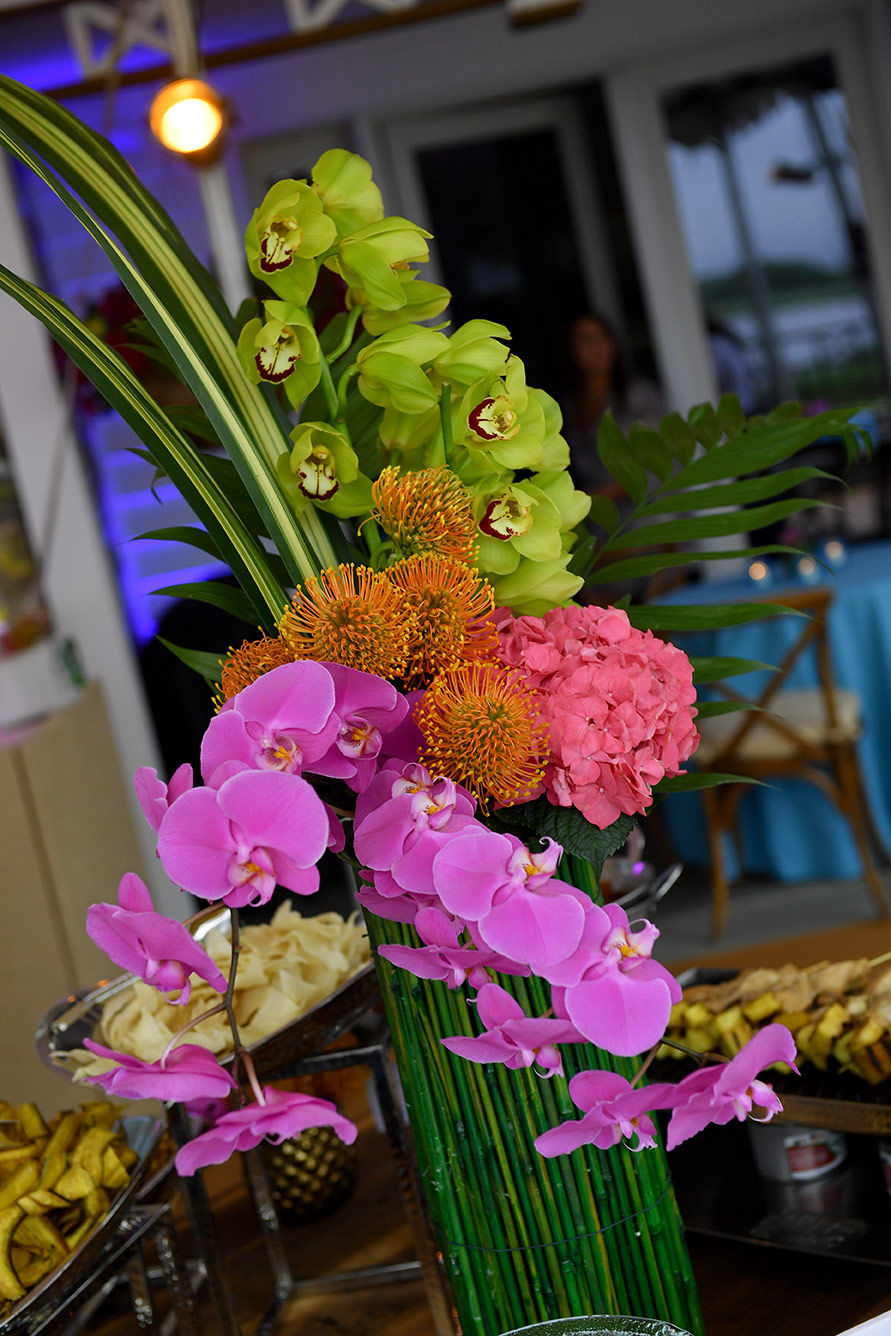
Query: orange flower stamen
426, 513
350, 615
451, 607
254, 658
482, 728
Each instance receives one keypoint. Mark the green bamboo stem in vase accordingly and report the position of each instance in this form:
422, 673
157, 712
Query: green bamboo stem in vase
525, 1239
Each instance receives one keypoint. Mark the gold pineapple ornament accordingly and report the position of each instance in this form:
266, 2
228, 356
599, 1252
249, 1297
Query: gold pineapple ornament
312, 1174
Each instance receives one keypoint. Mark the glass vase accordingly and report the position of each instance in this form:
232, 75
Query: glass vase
526, 1239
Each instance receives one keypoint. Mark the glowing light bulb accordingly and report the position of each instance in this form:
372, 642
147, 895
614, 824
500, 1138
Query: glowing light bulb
187, 116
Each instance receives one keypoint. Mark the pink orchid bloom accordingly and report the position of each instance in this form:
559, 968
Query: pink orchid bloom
235, 843
279, 1117
614, 1111
367, 708
158, 949
520, 910
415, 816
397, 908
610, 988
730, 1090
188, 1073
443, 958
284, 721
155, 796
512, 1037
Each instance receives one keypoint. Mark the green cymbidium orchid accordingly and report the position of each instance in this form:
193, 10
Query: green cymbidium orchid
501, 423
518, 520
323, 469
473, 352
349, 197
370, 261
283, 350
423, 301
390, 369
284, 237
572, 505
535, 586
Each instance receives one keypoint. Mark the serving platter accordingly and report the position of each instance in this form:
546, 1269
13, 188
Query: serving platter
143, 1133
78, 1016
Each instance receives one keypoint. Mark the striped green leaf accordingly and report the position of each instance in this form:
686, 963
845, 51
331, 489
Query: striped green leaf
168, 448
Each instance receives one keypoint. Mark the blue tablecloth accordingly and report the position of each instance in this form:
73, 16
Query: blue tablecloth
791, 831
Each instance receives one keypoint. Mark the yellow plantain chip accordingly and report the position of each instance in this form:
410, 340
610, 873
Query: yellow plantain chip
63, 1134
10, 1285
41, 1201
35, 1270
114, 1174
14, 1155
32, 1121
37, 1232
24, 1179
88, 1151
75, 1183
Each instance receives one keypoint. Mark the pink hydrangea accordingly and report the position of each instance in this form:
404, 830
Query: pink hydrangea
619, 704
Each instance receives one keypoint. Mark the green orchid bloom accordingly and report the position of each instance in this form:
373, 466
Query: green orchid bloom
572, 505
370, 261
473, 353
323, 469
412, 440
501, 421
283, 350
554, 449
390, 369
535, 587
516, 521
284, 237
349, 197
423, 301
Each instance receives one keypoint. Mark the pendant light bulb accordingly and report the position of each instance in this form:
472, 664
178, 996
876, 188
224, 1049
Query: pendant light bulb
187, 116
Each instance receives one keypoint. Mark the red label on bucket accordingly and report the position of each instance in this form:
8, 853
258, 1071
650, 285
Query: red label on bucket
803, 1159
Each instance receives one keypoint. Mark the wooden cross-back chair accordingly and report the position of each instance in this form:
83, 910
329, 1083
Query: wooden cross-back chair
804, 733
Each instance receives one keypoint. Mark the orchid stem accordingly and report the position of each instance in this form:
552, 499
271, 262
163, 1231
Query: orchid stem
331, 399
190, 1025
348, 333
645, 1064
342, 385
701, 1058
251, 1074
445, 420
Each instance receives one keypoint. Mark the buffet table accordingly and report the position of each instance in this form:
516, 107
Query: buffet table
779, 823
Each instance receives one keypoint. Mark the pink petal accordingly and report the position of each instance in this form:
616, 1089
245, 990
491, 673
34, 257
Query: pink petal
495, 1006
277, 811
293, 696
469, 870
536, 930
618, 1015
133, 893
195, 844
483, 1048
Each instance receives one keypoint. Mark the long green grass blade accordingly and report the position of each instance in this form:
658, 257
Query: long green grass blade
168, 448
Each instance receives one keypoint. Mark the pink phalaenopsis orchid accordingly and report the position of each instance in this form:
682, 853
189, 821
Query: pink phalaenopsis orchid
518, 907
614, 1111
443, 957
155, 796
610, 988
717, 1094
512, 1037
188, 1072
237, 842
279, 1117
158, 949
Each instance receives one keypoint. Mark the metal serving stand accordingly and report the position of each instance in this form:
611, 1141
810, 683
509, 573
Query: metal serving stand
300, 1049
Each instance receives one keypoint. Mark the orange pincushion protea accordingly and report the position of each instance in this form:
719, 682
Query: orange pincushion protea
450, 606
255, 657
482, 728
350, 615
426, 513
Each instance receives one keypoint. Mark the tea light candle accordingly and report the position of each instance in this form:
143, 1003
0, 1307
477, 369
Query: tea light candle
759, 571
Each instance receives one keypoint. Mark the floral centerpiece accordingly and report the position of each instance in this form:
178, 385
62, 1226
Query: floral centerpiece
426, 699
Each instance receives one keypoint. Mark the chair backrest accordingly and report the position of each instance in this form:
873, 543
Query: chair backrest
813, 605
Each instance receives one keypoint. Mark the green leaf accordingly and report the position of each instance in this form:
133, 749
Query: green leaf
228, 597
705, 424
185, 533
617, 459
759, 447
648, 447
635, 567
605, 513
698, 779
731, 417
190, 324
191, 421
678, 437
786, 412
568, 827
741, 492
169, 450
703, 617
714, 668
208, 666
707, 709
719, 524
